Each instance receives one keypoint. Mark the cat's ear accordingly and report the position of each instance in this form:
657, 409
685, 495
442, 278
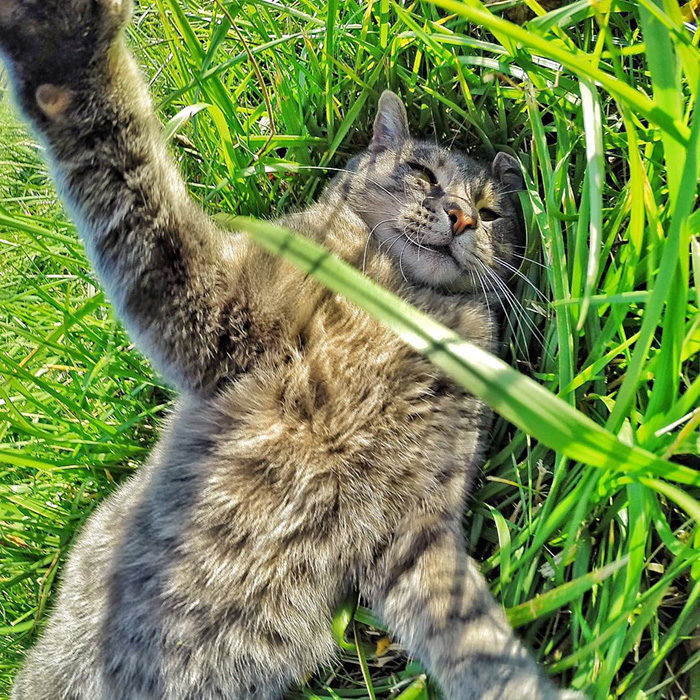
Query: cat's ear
391, 122
508, 171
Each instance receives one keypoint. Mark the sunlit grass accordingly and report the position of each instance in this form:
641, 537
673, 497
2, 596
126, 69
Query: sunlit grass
599, 567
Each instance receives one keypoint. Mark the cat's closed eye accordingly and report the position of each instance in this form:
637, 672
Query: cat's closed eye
422, 172
486, 214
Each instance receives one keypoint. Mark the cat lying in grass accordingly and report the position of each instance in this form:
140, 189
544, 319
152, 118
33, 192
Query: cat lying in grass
311, 451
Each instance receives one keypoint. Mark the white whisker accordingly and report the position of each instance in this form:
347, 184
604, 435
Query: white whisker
517, 272
393, 242
486, 299
505, 313
415, 243
530, 260
369, 238
403, 274
520, 312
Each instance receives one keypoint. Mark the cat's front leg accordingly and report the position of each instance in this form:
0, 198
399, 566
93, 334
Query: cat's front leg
434, 598
172, 275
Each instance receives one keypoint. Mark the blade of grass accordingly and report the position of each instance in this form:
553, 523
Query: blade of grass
577, 63
673, 248
558, 597
519, 399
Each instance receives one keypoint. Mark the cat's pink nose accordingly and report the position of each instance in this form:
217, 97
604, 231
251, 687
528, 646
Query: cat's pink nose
459, 219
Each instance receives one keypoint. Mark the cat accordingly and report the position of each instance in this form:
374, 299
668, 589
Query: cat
311, 451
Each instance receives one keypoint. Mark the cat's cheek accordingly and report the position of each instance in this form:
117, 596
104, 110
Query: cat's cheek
53, 101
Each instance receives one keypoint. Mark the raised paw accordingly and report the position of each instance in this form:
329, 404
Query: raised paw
55, 41
18, 13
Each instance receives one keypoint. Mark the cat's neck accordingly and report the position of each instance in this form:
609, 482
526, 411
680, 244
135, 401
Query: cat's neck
344, 233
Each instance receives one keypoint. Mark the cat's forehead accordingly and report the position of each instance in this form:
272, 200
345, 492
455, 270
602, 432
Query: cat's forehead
451, 163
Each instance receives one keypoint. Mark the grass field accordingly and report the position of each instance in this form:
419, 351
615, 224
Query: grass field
592, 543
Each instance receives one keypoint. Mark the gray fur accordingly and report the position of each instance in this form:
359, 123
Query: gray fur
311, 451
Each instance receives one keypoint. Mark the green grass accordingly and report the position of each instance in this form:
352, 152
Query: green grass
592, 544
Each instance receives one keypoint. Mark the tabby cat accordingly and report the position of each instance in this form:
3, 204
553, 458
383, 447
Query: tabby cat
311, 452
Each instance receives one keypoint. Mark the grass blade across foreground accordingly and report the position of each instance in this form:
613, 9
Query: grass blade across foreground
516, 397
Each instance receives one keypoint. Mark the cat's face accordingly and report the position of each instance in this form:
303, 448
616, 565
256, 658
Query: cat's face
448, 221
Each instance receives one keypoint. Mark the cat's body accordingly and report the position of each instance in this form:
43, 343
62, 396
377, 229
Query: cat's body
264, 505
312, 452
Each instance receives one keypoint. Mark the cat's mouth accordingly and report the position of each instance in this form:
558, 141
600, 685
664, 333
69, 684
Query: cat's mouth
434, 264
429, 247
444, 252
444, 249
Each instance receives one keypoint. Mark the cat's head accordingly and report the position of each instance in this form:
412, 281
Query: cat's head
443, 217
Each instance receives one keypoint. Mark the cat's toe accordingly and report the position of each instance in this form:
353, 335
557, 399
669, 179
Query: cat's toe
7, 11
118, 11
53, 100
111, 7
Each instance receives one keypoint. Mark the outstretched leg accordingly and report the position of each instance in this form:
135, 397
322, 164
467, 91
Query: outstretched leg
434, 598
125, 627
172, 275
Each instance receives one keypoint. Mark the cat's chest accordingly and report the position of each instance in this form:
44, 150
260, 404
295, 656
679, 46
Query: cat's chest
345, 395
341, 365
345, 415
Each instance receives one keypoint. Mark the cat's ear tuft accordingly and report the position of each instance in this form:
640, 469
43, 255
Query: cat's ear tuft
391, 122
508, 171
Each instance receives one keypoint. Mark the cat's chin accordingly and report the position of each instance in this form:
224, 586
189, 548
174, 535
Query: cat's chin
428, 265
